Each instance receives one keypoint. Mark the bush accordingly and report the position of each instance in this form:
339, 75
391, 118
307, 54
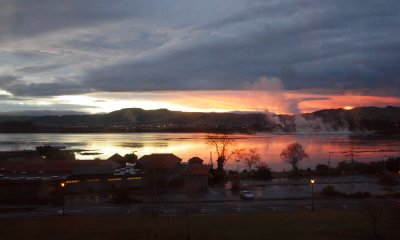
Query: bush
322, 168
387, 179
330, 191
360, 195
263, 172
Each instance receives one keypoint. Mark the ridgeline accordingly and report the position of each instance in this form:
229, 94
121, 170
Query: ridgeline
371, 119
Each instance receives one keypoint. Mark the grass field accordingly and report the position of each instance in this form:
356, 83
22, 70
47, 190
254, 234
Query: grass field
279, 225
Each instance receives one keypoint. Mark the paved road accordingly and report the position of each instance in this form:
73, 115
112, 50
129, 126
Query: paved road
209, 207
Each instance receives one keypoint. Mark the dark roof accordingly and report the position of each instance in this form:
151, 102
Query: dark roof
116, 157
160, 161
195, 160
197, 170
53, 166
56, 166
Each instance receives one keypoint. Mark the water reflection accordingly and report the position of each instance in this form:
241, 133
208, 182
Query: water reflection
186, 145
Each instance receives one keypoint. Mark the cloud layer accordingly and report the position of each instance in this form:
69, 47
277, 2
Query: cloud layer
72, 47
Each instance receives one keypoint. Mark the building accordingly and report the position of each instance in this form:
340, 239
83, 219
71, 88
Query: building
53, 167
196, 175
160, 168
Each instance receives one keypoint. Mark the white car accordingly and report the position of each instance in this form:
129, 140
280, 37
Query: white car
246, 195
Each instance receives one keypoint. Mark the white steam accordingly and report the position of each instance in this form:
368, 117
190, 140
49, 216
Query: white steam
270, 93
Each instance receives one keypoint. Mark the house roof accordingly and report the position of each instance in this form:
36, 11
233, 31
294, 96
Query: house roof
195, 160
160, 161
53, 166
116, 157
197, 170
50, 166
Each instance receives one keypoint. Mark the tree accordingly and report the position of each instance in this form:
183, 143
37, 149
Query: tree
252, 157
55, 153
130, 158
293, 154
225, 148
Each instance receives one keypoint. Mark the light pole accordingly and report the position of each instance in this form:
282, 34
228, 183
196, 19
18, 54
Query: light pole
62, 185
312, 181
329, 168
384, 164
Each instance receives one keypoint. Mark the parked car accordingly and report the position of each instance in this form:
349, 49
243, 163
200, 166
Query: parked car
246, 195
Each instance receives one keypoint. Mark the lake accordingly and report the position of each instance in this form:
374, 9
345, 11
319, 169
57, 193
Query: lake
185, 145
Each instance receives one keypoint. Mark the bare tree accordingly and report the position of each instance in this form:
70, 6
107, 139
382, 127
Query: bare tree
224, 146
293, 154
251, 158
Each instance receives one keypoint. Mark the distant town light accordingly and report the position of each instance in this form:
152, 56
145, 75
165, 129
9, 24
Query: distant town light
62, 184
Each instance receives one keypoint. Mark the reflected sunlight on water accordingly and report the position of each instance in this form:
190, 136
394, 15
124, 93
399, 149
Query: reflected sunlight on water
186, 145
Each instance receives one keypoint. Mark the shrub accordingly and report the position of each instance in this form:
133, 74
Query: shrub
330, 191
360, 195
387, 179
263, 172
322, 168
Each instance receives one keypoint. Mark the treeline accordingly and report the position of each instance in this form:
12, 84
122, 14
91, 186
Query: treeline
361, 168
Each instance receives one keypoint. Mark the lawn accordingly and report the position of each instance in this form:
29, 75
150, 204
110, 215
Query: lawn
279, 225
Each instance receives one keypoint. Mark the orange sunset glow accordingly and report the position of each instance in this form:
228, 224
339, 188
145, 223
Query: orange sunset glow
280, 102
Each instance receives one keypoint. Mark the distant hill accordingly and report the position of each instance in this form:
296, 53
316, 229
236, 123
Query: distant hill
375, 119
137, 120
361, 118
362, 113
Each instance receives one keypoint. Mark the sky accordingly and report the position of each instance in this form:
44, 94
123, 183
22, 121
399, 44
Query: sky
283, 56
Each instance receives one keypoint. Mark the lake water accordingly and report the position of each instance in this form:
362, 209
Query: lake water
186, 145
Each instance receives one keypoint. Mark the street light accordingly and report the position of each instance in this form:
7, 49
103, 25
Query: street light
62, 185
312, 181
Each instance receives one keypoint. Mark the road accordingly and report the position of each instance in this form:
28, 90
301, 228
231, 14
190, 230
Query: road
197, 207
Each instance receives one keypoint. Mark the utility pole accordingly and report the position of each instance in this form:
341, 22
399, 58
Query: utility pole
329, 168
351, 155
352, 165
384, 163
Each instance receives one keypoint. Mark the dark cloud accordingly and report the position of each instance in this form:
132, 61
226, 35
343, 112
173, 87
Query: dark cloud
21, 18
40, 68
320, 44
312, 99
45, 89
8, 79
14, 107
12, 98
338, 45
